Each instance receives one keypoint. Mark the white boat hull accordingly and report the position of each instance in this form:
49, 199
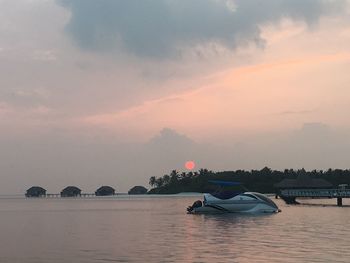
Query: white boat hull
243, 203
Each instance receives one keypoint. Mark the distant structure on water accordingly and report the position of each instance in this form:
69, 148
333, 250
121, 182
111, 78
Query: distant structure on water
304, 186
105, 191
303, 181
71, 191
36, 191
138, 190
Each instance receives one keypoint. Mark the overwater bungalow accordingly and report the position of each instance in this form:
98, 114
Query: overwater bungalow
35, 191
105, 191
303, 181
71, 191
138, 190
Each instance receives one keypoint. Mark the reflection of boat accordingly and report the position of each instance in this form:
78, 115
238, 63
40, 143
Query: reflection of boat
233, 202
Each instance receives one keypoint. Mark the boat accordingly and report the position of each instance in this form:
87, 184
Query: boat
226, 201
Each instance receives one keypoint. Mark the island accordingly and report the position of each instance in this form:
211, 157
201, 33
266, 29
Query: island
264, 181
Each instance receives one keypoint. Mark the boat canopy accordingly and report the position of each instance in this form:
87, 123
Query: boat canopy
223, 193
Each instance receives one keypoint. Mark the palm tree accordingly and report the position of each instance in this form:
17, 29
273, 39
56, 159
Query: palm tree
166, 179
152, 181
190, 174
183, 175
204, 172
174, 176
174, 173
159, 182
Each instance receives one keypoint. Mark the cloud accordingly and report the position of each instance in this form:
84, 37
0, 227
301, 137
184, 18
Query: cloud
26, 97
44, 55
164, 28
170, 140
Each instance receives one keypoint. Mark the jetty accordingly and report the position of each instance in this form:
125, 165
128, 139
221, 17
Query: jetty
306, 187
290, 195
50, 195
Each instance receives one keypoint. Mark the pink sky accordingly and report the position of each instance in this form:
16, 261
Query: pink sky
278, 76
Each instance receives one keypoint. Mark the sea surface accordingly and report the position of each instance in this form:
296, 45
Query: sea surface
157, 229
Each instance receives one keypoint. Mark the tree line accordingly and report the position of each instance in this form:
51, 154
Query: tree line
254, 180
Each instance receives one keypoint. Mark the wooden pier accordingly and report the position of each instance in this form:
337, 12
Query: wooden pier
52, 195
82, 195
290, 195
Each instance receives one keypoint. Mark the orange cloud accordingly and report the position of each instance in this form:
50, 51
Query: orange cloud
230, 92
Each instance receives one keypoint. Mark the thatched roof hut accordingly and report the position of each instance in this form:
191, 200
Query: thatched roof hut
70, 191
303, 181
138, 190
105, 191
35, 191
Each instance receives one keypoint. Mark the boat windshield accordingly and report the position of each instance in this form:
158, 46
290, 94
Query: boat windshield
224, 195
266, 199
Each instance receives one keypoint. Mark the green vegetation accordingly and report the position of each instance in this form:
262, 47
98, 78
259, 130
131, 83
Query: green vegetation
255, 180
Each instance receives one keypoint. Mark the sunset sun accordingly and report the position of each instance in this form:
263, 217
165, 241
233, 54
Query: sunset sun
190, 165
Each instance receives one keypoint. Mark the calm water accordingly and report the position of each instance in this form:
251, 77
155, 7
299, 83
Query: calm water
157, 229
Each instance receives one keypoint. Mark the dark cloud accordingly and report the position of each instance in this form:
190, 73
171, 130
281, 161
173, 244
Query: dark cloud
158, 28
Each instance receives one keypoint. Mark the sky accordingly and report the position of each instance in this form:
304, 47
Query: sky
112, 92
